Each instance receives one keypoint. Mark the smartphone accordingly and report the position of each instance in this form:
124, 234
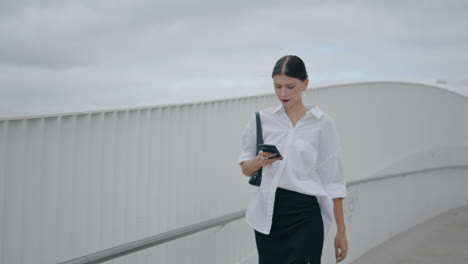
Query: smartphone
271, 149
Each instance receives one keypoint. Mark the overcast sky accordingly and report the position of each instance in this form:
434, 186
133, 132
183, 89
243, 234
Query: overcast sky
63, 56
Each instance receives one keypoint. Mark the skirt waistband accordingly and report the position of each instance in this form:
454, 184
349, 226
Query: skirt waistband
288, 194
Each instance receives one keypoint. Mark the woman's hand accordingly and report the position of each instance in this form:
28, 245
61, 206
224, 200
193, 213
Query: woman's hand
253, 165
265, 158
341, 246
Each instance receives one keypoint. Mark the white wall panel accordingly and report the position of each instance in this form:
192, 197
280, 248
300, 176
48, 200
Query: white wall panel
77, 183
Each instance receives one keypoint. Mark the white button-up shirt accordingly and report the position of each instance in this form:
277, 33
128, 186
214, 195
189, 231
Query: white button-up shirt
312, 162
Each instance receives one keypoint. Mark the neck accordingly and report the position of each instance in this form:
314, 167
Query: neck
296, 108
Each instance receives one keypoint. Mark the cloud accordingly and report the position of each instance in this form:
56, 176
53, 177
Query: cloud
106, 53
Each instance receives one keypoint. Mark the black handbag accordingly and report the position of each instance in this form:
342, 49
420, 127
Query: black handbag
256, 178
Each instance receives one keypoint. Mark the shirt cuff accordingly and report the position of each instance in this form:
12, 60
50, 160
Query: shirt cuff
336, 190
245, 157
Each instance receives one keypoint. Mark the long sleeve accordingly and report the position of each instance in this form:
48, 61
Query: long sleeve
249, 141
330, 165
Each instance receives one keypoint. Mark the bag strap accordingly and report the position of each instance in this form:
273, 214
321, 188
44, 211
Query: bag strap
259, 131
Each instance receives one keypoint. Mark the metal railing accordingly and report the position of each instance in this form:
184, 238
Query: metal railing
144, 243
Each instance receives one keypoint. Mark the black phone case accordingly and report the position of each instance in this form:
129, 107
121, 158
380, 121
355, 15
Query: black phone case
271, 149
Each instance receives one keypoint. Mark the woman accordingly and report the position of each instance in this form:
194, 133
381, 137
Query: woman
293, 208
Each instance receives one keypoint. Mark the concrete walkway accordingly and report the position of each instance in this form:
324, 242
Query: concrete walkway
441, 240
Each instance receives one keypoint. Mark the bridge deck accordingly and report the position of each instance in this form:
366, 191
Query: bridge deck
442, 239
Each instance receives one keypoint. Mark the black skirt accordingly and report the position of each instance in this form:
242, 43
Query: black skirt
296, 234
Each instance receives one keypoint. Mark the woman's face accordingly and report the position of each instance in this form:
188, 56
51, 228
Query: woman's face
289, 89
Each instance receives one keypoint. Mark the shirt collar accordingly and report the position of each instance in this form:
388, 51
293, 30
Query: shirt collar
314, 109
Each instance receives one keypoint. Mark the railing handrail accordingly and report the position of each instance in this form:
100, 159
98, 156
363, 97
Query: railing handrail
125, 249
131, 247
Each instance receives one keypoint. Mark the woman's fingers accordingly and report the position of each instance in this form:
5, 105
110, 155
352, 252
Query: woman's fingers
269, 161
268, 154
341, 247
344, 254
266, 158
340, 254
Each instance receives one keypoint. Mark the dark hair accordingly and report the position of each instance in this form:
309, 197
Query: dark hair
292, 66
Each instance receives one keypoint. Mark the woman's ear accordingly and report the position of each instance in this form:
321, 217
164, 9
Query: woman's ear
306, 84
